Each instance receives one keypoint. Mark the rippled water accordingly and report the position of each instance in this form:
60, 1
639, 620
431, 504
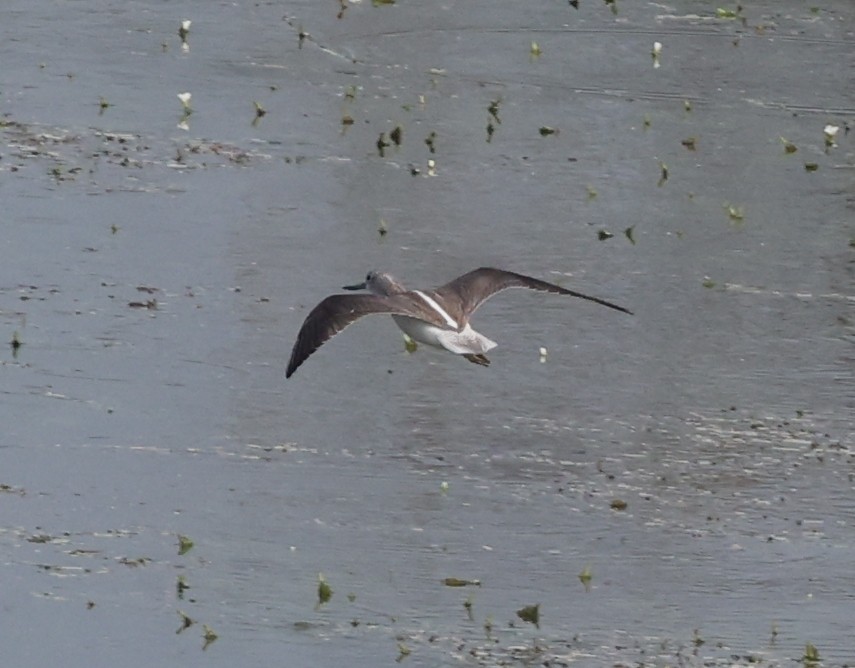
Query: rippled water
696, 459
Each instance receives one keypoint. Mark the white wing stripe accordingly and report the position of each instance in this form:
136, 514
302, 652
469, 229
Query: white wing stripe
451, 322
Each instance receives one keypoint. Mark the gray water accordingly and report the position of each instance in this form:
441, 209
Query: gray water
156, 275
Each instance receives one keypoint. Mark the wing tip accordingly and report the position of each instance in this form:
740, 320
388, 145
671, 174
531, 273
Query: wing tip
296, 361
621, 308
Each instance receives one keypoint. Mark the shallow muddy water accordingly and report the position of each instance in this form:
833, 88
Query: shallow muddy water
697, 459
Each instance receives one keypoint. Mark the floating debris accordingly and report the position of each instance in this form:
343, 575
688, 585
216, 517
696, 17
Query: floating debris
208, 635
134, 563
443, 487
468, 603
185, 101
708, 283
150, 304
347, 120
103, 105
403, 650
186, 622
488, 627
655, 53
457, 582
687, 106
789, 147
646, 122
585, 578
184, 545
735, 213
260, 112
325, 592
592, 192
397, 135
16, 344
830, 132
382, 228
181, 586
490, 130
431, 142
723, 13
545, 131
811, 166
382, 144
431, 167
535, 51
811, 654
697, 641
493, 109
618, 504
663, 171
611, 4
184, 30
40, 538
530, 614
689, 143
604, 235
302, 36
544, 353
629, 233
574, 4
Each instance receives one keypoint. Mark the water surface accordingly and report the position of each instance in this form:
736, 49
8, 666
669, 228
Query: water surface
156, 276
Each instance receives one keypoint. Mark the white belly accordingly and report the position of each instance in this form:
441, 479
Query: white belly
466, 342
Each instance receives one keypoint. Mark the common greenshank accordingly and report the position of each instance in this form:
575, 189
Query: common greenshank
438, 318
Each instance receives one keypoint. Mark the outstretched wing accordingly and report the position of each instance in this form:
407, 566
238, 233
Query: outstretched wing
473, 289
336, 312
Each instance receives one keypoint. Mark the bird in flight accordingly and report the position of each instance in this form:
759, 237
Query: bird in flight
438, 318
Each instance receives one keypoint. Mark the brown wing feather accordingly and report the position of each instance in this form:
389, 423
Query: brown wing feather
473, 289
337, 312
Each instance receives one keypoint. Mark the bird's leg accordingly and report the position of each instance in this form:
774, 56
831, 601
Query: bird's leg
479, 359
410, 345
